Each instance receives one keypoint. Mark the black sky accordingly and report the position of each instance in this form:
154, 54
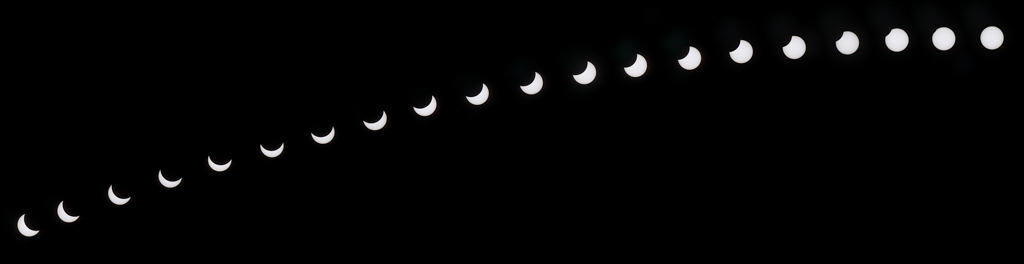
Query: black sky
812, 149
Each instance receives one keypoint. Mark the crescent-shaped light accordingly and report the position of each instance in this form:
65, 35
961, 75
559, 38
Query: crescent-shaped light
114, 199
379, 124
692, 59
897, 40
23, 228
272, 153
479, 98
992, 37
426, 110
165, 182
943, 38
587, 75
534, 86
742, 53
217, 167
638, 68
324, 139
64, 216
848, 43
795, 49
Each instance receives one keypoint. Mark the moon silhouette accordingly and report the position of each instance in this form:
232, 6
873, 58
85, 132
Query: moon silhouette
322, 140
692, 59
272, 153
992, 37
943, 38
64, 216
795, 49
897, 40
165, 182
23, 228
534, 86
638, 68
479, 98
587, 75
379, 124
742, 53
114, 199
426, 110
217, 167
848, 43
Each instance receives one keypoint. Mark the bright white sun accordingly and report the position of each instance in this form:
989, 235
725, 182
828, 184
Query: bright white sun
992, 38
795, 49
692, 59
943, 38
742, 53
897, 40
638, 68
848, 44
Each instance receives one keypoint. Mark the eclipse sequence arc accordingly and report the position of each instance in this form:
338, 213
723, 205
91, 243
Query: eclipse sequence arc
897, 40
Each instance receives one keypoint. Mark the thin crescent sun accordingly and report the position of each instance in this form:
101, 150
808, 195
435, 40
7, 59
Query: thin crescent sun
218, 167
379, 124
23, 228
479, 98
535, 86
272, 153
426, 110
166, 183
324, 139
63, 215
113, 197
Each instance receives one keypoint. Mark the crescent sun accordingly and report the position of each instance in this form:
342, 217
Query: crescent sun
481, 97
114, 199
426, 110
321, 140
218, 167
272, 153
638, 68
795, 49
742, 53
23, 228
533, 87
64, 216
379, 124
692, 59
587, 75
165, 182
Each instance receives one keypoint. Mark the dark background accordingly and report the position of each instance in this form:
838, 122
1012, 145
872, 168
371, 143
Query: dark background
876, 146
